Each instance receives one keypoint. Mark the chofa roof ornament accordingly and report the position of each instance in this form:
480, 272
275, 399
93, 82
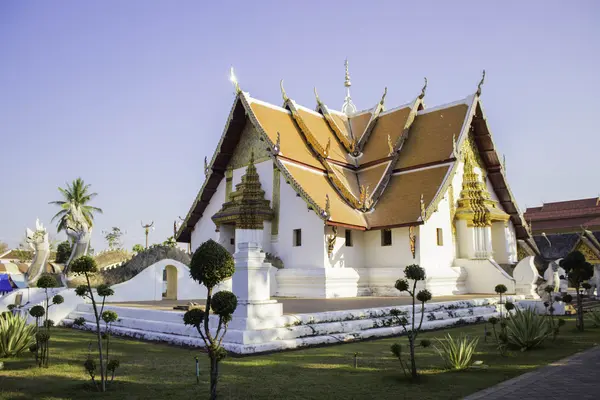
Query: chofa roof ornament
234, 80
348, 107
423, 89
283, 93
478, 93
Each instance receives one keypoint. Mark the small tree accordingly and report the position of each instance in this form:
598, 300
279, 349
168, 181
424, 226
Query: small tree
63, 252
414, 273
138, 248
86, 266
37, 312
46, 282
210, 265
170, 242
113, 238
579, 271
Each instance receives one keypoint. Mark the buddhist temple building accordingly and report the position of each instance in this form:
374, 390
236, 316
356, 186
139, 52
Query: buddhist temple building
561, 227
347, 199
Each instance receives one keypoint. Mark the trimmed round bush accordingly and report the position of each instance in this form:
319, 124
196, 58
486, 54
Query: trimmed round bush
109, 316
500, 289
424, 295
83, 265
567, 298
37, 311
401, 285
81, 290
58, 299
105, 290
194, 317
509, 306
211, 264
223, 303
47, 281
414, 272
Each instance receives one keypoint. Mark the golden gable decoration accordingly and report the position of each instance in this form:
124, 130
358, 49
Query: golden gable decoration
247, 207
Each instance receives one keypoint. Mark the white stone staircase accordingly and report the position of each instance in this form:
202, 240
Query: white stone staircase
289, 331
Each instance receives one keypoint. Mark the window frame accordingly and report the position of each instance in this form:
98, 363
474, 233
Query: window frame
384, 242
297, 238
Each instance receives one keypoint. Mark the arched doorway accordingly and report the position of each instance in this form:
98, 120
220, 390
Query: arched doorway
170, 283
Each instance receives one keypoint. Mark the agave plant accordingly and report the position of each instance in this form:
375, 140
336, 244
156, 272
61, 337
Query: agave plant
15, 335
594, 317
526, 330
457, 353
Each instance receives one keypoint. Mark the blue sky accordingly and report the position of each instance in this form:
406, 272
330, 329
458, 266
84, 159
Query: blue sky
131, 96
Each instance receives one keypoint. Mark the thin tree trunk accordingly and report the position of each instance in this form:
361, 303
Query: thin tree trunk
102, 380
214, 376
413, 364
579, 310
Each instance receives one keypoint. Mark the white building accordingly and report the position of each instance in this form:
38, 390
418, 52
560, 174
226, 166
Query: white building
353, 197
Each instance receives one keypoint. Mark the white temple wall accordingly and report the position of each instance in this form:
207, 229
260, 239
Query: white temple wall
435, 257
345, 256
205, 229
296, 215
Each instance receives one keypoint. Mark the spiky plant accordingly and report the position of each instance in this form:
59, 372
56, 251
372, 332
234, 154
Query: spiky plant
457, 354
15, 335
594, 317
526, 330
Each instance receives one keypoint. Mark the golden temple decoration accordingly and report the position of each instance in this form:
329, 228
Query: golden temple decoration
327, 206
452, 207
390, 145
412, 237
205, 166
247, 207
422, 203
590, 256
455, 151
423, 89
234, 80
283, 94
276, 200
327, 147
478, 93
521, 253
319, 102
475, 204
228, 182
331, 241
277, 146
365, 201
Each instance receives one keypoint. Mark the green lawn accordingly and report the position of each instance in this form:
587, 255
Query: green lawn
157, 371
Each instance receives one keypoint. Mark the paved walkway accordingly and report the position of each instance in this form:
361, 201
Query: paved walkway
574, 377
301, 306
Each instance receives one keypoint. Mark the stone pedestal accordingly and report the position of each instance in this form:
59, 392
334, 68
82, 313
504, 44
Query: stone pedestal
251, 284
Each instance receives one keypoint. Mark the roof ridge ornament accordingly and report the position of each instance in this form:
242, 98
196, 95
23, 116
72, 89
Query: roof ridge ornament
327, 147
478, 93
319, 102
283, 93
455, 151
348, 107
390, 145
277, 146
423, 214
382, 101
423, 89
235, 82
205, 166
327, 210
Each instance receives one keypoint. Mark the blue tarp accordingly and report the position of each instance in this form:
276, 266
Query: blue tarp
5, 285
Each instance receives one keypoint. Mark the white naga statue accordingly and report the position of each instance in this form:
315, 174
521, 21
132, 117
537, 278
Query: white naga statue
38, 241
79, 232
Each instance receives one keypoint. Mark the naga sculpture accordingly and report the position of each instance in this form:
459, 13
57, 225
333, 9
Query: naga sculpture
79, 232
38, 241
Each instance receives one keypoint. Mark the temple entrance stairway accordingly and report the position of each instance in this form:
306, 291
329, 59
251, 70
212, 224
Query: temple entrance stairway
290, 330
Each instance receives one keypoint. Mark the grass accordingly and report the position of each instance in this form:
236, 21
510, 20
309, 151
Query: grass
158, 371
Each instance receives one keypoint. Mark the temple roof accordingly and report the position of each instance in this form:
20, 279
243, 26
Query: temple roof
370, 170
565, 216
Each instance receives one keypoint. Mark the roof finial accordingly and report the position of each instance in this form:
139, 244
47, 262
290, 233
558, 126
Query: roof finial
348, 107
234, 80
319, 102
283, 94
423, 89
205, 166
480, 84
383, 97
252, 157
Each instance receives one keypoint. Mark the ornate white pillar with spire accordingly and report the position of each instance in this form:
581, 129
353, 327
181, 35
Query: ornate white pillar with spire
348, 107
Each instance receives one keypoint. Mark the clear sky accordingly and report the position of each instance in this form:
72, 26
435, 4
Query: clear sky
132, 95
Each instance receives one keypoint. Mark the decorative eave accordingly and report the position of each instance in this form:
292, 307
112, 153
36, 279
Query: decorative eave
589, 246
369, 128
349, 143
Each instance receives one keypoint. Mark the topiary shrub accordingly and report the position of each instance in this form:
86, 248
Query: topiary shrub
86, 266
212, 264
63, 252
579, 271
43, 354
414, 273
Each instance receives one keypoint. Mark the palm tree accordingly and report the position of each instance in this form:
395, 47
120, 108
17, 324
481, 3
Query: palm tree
76, 195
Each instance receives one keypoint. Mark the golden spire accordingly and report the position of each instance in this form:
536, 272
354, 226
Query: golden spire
234, 80
478, 93
283, 94
347, 82
423, 89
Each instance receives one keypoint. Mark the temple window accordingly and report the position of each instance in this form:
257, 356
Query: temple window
440, 237
348, 238
386, 237
297, 237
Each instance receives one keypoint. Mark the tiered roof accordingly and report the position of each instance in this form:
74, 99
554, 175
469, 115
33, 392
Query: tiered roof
370, 170
565, 216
